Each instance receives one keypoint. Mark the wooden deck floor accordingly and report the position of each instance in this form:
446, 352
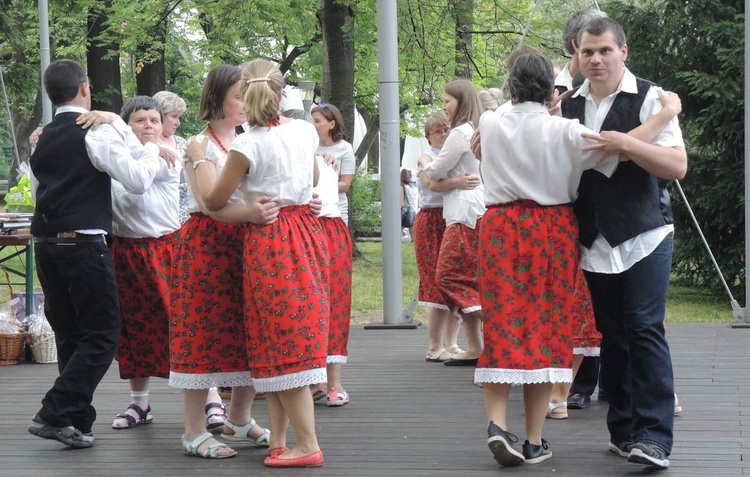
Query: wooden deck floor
407, 417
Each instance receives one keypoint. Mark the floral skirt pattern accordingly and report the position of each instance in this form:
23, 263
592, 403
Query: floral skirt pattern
286, 301
586, 338
456, 272
528, 261
429, 227
340, 282
207, 326
142, 270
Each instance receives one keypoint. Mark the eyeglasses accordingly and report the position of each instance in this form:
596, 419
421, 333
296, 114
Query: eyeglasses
440, 132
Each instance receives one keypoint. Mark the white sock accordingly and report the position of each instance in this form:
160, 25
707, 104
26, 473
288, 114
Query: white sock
140, 398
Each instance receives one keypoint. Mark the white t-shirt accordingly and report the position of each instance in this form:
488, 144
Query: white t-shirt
344, 153
455, 158
280, 161
429, 199
327, 189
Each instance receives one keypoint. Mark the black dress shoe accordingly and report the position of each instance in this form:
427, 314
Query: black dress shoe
461, 362
578, 401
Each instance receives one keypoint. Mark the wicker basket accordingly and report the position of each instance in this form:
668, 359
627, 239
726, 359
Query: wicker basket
45, 350
11, 347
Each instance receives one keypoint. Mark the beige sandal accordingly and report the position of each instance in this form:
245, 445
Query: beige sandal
242, 434
553, 406
211, 452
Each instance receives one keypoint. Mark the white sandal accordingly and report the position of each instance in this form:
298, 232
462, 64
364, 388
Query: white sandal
211, 452
557, 405
242, 434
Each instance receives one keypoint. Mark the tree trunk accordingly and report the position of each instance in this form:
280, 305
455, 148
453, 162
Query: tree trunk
464, 16
150, 66
103, 73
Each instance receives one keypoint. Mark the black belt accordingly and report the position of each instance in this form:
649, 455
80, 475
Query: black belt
79, 238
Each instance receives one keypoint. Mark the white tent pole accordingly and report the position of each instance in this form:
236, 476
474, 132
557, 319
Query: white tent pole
747, 163
45, 58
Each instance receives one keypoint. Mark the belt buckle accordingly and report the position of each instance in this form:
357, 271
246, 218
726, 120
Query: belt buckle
66, 235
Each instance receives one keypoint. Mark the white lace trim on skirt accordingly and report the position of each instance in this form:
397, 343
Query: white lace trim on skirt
209, 380
336, 358
429, 304
523, 376
590, 351
290, 381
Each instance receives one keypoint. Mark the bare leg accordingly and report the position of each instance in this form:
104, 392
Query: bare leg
535, 400
194, 401
298, 405
496, 402
437, 322
334, 376
473, 331
560, 391
451, 329
279, 422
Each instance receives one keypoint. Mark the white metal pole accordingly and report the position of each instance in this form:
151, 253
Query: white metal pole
747, 155
390, 160
45, 57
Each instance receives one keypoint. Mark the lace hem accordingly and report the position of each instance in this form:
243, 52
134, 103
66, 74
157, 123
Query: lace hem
336, 358
429, 304
290, 381
523, 376
471, 309
210, 380
590, 351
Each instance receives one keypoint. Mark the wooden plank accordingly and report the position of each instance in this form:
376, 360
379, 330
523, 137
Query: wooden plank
407, 417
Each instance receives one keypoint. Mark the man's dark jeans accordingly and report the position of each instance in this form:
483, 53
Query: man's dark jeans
636, 367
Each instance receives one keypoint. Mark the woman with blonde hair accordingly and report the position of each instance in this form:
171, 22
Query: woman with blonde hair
285, 285
491, 98
462, 209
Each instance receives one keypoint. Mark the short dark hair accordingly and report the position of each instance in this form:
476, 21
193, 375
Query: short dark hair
137, 104
531, 79
62, 80
218, 82
332, 113
600, 26
521, 50
577, 21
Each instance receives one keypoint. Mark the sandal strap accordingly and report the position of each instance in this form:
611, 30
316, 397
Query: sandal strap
130, 419
192, 446
216, 405
243, 430
143, 415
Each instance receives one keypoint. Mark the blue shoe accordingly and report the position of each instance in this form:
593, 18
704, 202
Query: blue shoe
501, 444
621, 448
648, 454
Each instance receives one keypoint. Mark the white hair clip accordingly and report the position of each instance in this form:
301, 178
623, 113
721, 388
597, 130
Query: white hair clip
257, 80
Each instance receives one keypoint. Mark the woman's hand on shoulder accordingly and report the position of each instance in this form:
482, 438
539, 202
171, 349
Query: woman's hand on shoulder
95, 118
196, 149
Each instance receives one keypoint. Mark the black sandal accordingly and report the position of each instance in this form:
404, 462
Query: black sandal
213, 424
144, 417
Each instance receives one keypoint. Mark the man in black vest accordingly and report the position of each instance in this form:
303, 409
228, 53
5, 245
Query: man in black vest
626, 230
71, 174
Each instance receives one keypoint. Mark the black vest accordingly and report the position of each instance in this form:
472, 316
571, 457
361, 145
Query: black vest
632, 201
72, 194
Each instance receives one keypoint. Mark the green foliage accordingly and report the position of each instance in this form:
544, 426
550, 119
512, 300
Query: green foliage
366, 204
695, 48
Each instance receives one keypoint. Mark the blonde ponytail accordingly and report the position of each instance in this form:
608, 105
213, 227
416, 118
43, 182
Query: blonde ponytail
261, 84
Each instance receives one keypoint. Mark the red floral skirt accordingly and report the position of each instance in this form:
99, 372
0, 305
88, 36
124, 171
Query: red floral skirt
456, 272
207, 327
586, 339
286, 300
528, 261
429, 227
142, 269
339, 244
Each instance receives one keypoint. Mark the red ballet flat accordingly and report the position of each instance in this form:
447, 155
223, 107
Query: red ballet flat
310, 460
277, 451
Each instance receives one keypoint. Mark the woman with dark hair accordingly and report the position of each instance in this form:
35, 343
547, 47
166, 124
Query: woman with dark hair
207, 330
528, 253
330, 126
285, 262
462, 209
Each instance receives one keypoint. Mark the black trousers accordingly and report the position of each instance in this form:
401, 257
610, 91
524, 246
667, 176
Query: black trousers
83, 308
587, 376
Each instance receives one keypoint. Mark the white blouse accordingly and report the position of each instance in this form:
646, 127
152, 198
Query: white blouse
327, 189
427, 198
280, 161
455, 158
528, 154
217, 156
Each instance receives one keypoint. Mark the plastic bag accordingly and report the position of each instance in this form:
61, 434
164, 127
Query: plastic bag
8, 323
39, 327
19, 198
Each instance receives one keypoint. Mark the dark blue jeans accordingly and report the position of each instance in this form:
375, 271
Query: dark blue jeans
636, 367
83, 308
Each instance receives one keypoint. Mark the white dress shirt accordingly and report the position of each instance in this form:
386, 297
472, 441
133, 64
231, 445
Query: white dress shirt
455, 158
529, 155
602, 257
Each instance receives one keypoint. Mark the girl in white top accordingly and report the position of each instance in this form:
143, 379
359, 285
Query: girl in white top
330, 126
286, 287
457, 271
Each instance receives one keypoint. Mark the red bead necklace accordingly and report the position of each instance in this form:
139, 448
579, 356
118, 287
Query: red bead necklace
217, 140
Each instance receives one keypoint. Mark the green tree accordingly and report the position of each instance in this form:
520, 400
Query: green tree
695, 48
